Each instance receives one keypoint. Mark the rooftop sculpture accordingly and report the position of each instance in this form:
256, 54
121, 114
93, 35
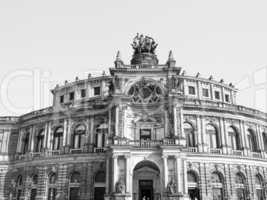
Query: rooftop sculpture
144, 44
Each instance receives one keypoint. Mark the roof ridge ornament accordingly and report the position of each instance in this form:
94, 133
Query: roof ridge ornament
118, 62
171, 61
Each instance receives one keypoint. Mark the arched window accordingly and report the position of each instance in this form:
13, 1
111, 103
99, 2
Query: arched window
217, 186
193, 190
233, 136
99, 186
52, 187
34, 181
26, 142
74, 186
101, 132
145, 92
240, 182
252, 140
19, 187
40, 141
264, 137
78, 133
58, 139
190, 136
259, 187
213, 136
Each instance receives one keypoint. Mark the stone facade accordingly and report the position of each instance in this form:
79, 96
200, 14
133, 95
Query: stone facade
146, 131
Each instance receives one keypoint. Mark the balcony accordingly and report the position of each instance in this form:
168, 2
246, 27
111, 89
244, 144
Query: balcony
255, 154
143, 143
237, 152
215, 151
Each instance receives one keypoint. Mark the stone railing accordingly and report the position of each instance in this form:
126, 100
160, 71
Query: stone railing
237, 152
215, 151
143, 143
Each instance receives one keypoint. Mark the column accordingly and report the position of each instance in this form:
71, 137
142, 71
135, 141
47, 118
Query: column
19, 141
65, 132
222, 135
178, 174
48, 142
165, 166
91, 130
115, 171
128, 178
175, 120
203, 134
117, 121
198, 135
185, 176
244, 137
32, 138
107, 175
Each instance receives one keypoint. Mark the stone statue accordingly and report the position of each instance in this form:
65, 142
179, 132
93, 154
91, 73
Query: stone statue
144, 44
171, 187
120, 187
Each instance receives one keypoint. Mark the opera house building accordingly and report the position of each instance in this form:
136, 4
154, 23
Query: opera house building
144, 131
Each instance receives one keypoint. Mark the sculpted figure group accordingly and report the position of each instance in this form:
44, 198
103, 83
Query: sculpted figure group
144, 44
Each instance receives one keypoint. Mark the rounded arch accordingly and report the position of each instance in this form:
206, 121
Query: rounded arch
234, 137
189, 132
145, 91
141, 79
146, 163
192, 176
217, 177
240, 178
75, 177
100, 177
252, 140
213, 135
52, 178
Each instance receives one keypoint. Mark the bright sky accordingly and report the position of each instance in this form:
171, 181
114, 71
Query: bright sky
54, 40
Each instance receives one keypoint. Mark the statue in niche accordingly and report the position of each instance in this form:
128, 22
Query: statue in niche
117, 81
171, 187
120, 187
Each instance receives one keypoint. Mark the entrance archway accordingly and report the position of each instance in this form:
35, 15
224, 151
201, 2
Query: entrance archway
146, 181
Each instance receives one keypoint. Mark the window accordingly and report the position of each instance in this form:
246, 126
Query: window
191, 90
71, 96
58, 139
1, 140
217, 95
34, 181
233, 138
240, 186
19, 187
217, 186
40, 141
145, 134
193, 190
99, 186
52, 187
190, 136
205, 92
26, 141
227, 98
83, 93
252, 140
259, 187
96, 91
213, 137
79, 131
62, 99
264, 136
74, 186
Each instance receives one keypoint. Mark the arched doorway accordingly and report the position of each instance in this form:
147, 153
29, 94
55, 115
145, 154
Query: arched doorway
146, 181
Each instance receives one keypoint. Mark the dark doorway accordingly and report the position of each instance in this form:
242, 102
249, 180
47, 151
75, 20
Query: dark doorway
99, 193
74, 193
145, 190
194, 193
